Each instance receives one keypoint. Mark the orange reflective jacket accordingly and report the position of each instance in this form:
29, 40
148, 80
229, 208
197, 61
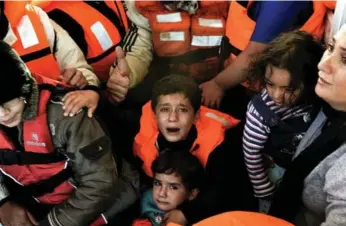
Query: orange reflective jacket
32, 44
211, 126
188, 43
102, 31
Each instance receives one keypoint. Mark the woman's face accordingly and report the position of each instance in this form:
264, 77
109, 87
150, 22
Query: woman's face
331, 84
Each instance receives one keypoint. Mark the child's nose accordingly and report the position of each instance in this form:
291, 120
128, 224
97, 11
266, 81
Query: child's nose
173, 116
278, 94
163, 192
3, 112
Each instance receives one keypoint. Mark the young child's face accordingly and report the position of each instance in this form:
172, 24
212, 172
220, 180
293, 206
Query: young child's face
169, 191
11, 112
174, 116
278, 86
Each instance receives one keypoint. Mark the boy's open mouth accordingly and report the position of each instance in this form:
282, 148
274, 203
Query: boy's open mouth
172, 130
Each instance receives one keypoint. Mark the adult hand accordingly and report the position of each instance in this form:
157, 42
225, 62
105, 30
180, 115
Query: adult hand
74, 77
119, 82
212, 94
12, 214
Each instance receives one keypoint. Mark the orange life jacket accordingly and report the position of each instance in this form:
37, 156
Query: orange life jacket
188, 43
240, 218
101, 33
330, 4
37, 139
210, 133
240, 26
32, 44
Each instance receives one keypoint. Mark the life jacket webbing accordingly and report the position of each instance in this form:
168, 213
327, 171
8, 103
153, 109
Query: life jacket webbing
109, 51
193, 56
227, 48
10, 157
41, 187
36, 55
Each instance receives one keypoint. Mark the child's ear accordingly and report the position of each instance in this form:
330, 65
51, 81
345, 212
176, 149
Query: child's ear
196, 116
193, 194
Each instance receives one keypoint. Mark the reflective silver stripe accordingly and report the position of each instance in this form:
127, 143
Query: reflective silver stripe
206, 40
169, 18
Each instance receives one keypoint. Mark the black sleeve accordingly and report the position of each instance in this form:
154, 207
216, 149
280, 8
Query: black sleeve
229, 186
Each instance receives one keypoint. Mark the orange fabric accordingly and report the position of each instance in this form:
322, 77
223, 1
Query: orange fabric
316, 23
150, 10
41, 3
239, 32
330, 4
141, 222
197, 29
99, 58
188, 26
210, 135
240, 218
37, 138
44, 62
173, 224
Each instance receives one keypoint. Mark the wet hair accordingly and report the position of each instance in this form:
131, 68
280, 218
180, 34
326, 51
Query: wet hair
183, 164
298, 53
173, 84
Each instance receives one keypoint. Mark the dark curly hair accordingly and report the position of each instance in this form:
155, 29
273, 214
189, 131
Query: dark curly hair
298, 53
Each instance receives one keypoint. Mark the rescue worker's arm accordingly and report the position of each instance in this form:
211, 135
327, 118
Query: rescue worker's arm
90, 156
66, 51
137, 45
273, 18
234, 74
237, 71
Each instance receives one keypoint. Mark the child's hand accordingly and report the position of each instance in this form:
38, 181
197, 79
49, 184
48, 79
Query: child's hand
76, 100
174, 216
